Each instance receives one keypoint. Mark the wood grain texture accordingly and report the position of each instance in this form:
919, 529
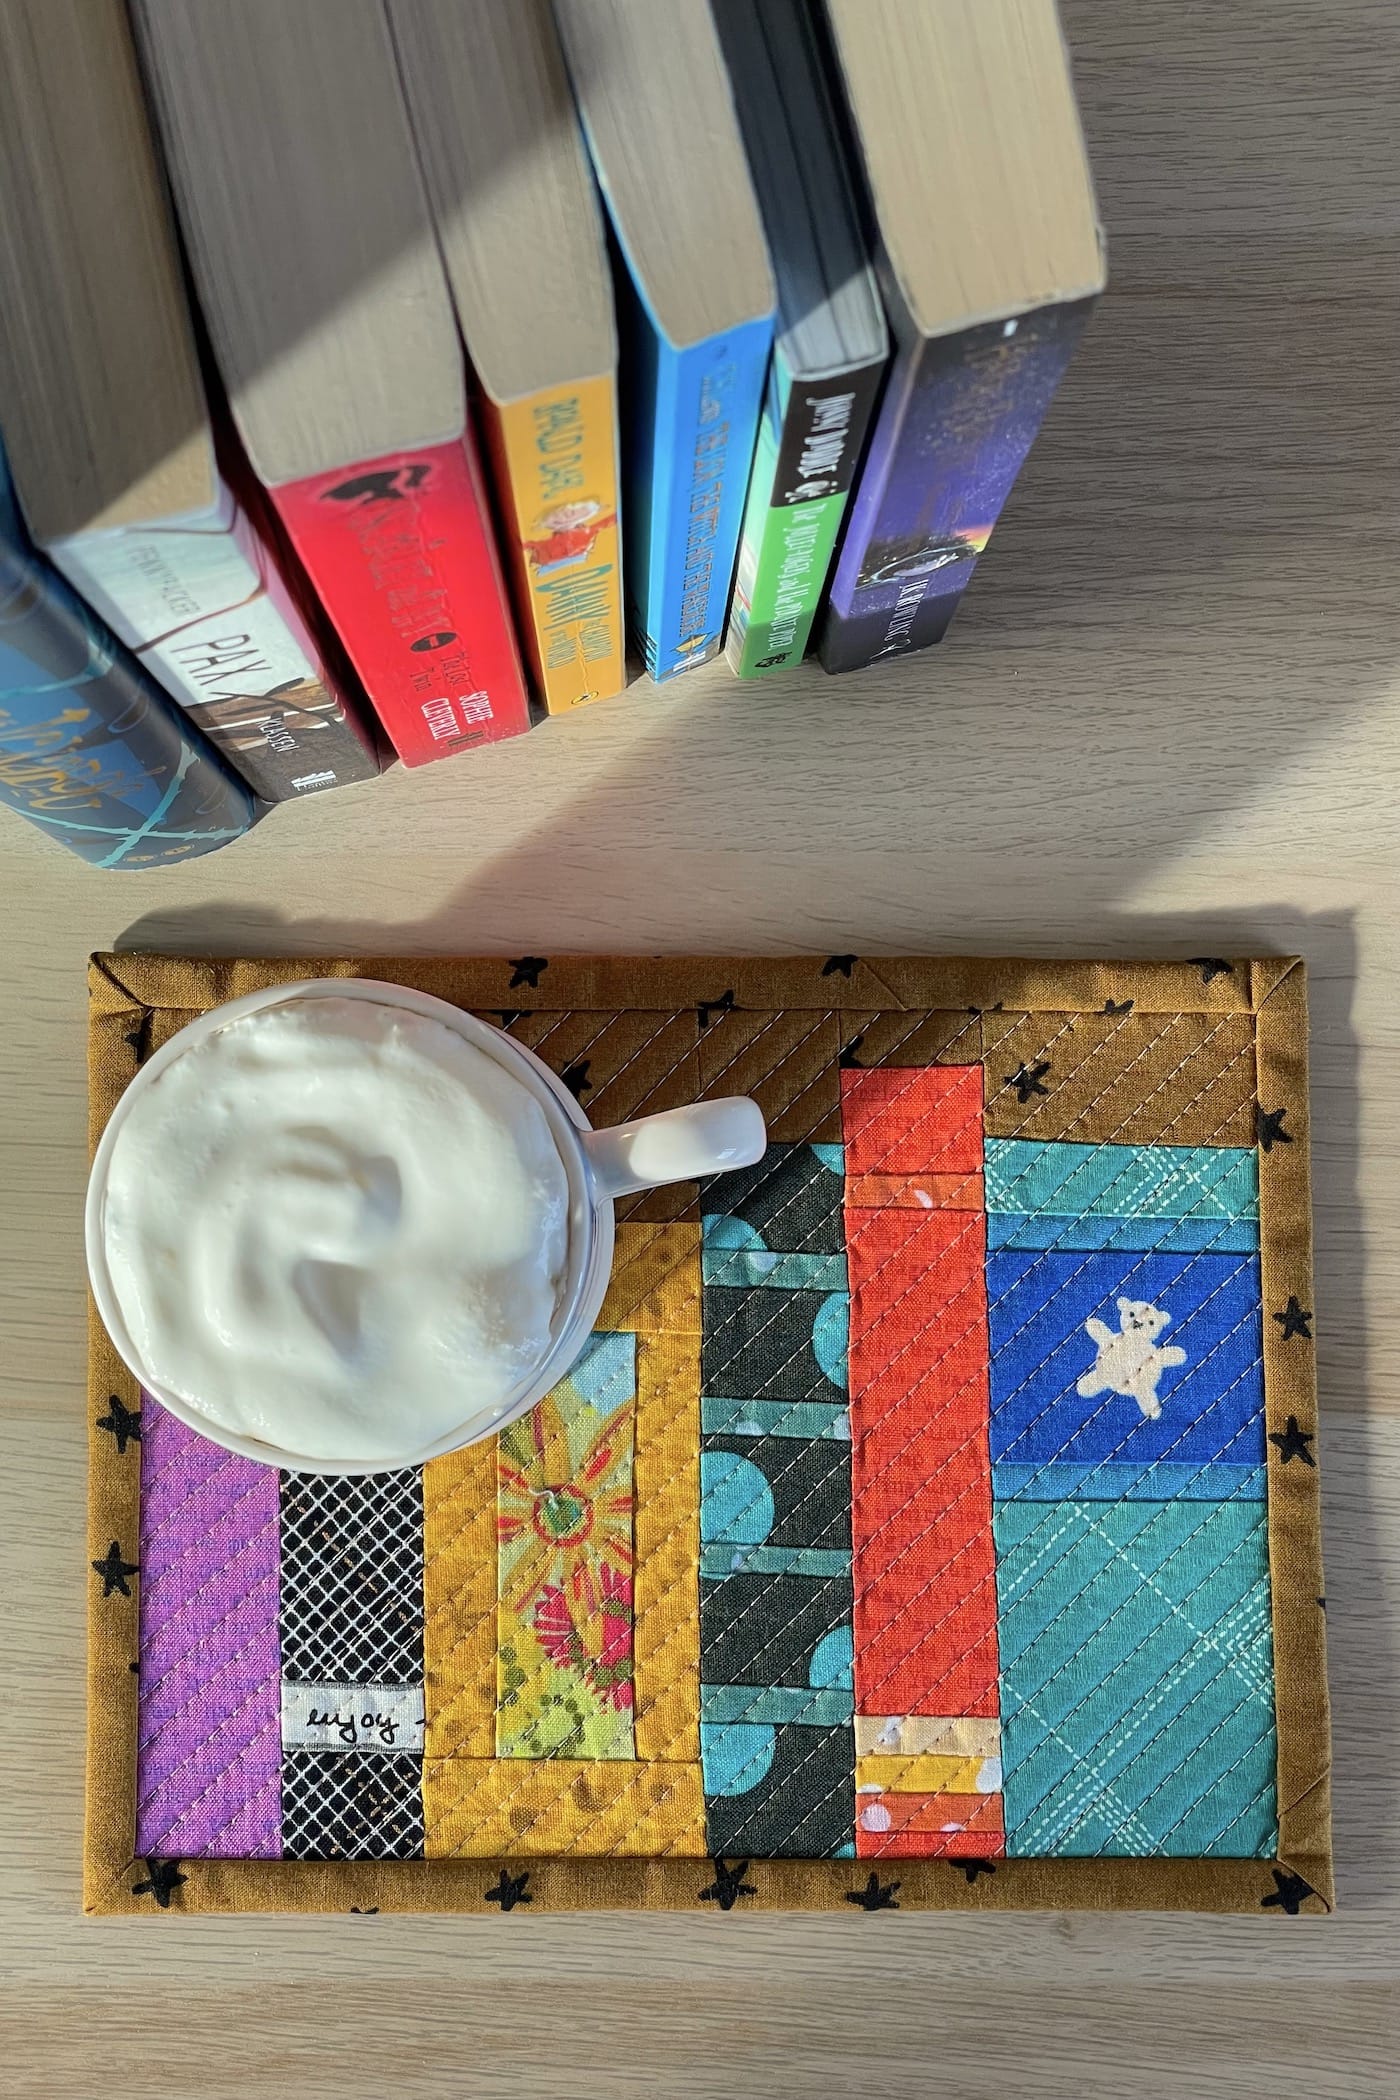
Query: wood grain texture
1167, 721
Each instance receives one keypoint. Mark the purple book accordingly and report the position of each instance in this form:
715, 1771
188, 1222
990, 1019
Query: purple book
957, 419
990, 257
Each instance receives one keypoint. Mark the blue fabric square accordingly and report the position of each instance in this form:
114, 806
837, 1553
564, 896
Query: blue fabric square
1126, 1374
1137, 1683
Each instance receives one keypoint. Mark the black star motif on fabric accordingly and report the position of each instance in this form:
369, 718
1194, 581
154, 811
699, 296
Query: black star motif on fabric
1028, 1080
135, 1669
510, 1890
1268, 1127
139, 1037
1293, 1320
973, 1867
1116, 1008
1291, 1892
843, 963
507, 1015
849, 1058
124, 1423
1293, 1442
525, 969
163, 1878
707, 1010
728, 1885
371, 1910
114, 1571
1211, 967
876, 1895
576, 1079
1322, 1604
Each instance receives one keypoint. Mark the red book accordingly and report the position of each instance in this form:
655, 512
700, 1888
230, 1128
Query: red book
296, 176
400, 549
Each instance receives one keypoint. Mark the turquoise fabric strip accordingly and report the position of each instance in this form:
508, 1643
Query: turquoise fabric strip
797, 1418
1219, 1182
733, 1253
830, 1706
717, 1561
1157, 1481
1100, 1233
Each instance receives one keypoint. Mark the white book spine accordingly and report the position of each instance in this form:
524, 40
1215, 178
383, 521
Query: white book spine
200, 601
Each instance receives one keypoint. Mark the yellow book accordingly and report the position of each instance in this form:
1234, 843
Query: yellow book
518, 219
556, 471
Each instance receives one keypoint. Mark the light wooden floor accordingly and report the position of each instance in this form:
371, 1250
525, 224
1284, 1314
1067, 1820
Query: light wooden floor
1167, 721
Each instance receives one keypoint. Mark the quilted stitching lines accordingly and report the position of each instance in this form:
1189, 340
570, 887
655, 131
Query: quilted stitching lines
352, 1616
1053, 1608
775, 1607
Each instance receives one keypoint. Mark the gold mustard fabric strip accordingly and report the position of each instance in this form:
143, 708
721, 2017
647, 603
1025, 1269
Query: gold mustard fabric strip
668, 1547
459, 1607
1290, 1406
655, 1292
1123, 1079
683, 1880
536, 1809
788, 1062
118, 1024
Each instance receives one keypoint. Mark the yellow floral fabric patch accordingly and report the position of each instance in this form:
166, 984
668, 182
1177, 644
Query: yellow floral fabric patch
564, 1496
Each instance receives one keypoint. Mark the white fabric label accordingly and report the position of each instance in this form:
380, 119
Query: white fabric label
352, 1717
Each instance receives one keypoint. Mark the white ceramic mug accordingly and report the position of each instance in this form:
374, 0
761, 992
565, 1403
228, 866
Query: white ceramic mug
680, 1144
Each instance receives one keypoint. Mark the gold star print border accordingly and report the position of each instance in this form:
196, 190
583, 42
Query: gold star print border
1235, 1062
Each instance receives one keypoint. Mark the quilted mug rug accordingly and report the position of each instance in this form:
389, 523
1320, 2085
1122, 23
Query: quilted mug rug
931, 1521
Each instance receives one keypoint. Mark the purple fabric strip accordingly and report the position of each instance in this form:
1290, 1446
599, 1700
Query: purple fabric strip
209, 1748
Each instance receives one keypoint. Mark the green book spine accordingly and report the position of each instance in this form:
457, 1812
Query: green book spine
809, 446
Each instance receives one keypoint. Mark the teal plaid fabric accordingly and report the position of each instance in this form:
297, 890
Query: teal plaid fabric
1137, 1678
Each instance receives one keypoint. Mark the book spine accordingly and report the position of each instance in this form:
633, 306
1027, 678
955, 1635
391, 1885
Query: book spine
958, 418
809, 444
91, 751
203, 603
401, 552
701, 408
555, 456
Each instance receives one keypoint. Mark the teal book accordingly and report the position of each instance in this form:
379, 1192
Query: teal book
831, 346
91, 749
696, 305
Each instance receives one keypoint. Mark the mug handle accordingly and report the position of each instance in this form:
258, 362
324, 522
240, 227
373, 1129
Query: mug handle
680, 1144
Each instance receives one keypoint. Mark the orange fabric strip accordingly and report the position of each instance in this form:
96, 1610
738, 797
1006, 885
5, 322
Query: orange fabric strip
915, 1826
962, 1191
924, 1564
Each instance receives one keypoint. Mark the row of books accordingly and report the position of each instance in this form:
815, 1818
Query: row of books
762, 303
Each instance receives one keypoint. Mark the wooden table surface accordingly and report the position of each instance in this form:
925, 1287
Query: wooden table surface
1167, 721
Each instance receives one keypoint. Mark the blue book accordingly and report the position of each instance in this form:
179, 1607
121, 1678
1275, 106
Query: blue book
696, 298
91, 750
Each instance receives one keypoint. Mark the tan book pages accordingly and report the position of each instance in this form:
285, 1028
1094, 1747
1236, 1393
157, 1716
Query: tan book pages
100, 395
966, 115
512, 190
294, 169
656, 103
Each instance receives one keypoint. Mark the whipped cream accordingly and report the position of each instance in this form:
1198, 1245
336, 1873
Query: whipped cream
337, 1226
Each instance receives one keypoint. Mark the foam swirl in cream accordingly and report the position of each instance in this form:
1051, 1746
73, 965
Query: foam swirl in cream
339, 1227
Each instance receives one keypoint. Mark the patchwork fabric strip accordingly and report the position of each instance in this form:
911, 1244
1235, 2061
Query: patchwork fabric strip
775, 1512
352, 1666
931, 1519
564, 1514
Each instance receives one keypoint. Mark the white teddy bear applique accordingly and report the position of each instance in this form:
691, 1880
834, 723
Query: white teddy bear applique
1130, 1363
